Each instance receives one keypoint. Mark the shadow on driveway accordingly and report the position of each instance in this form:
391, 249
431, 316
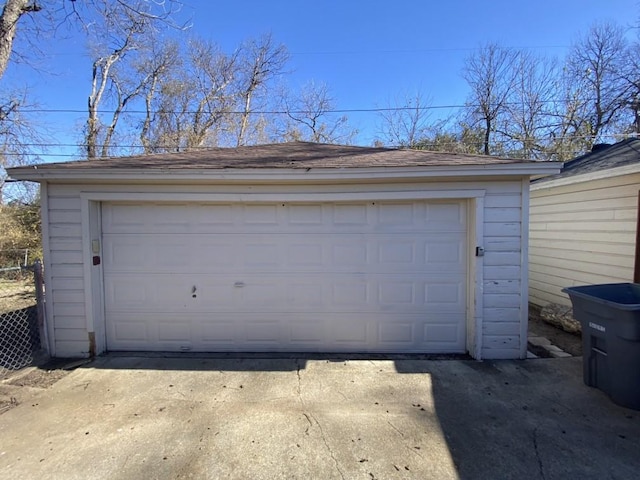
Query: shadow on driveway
327, 417
254, 362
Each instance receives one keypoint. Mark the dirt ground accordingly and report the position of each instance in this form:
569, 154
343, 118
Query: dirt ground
19, 386
16, 294
569, 342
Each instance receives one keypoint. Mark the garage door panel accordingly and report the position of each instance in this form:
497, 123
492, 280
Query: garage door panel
445, 215
445, 293
132, 330
397, 334
381, 253
397, 214
363, 217
287, 332
306, 333
174, 330
363, 276
443, 336
281, 293
344, 216
219, 333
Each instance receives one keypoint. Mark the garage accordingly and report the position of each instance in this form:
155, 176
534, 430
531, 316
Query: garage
293, 247
366, 277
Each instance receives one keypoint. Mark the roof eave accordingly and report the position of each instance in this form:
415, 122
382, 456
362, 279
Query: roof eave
587, 177
156, 175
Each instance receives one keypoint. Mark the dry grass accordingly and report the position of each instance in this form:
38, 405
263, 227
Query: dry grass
16, 294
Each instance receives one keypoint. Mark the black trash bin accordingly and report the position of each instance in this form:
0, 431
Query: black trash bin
610, 318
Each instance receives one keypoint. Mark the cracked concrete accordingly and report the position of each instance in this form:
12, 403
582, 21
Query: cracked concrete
178, 418
535, 446
326, 444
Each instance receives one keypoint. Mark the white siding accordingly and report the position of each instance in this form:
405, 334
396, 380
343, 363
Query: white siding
502, 313
580, 234
65, 295
502, 297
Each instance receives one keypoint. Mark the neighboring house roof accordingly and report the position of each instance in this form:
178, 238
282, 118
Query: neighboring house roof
292, 155
605, 157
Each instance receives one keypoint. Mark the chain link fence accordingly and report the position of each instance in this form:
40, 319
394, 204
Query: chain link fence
22, 334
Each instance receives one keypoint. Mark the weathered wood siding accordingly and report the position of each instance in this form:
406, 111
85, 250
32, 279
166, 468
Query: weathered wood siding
65, 294
581, 234
503, 312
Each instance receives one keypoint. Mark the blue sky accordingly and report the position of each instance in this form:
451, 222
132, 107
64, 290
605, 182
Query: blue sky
366, 51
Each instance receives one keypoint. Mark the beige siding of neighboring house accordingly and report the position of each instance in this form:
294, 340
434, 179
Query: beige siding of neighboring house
583, 233
503, 306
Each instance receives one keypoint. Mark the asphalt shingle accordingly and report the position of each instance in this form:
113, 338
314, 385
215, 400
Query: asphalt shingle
285, 155
619, 154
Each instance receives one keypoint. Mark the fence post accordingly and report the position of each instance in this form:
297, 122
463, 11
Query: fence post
38, 278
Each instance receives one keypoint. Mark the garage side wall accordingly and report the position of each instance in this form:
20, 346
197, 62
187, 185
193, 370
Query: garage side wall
581, 234
64, 270
504, 312
501, 287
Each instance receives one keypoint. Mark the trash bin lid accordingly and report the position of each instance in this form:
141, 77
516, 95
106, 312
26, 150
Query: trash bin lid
623, 296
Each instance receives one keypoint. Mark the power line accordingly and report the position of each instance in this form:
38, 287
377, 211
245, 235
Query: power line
372, 52
84, 145
261, 112
433, 142
294, 112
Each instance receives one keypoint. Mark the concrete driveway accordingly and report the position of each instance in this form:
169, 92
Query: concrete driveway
161, 418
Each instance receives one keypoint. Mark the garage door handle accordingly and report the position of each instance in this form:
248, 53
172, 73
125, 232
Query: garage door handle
238, 284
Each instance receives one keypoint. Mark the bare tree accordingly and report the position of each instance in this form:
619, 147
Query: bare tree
630, 74
310, 117
118, 22
82, 14
18, 134
406, 120
191, 105
158, 65
527, 118
595, 81
262, 61
11, 14
127, 32
490, 74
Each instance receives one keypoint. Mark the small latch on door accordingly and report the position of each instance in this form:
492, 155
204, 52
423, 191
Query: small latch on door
238, 284
479, 252
193, 292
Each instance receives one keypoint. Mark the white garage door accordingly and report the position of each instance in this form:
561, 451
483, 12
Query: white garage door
357, 277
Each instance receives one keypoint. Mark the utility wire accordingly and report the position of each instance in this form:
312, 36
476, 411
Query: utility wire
434, 143
371, 52
426, 142
294, 112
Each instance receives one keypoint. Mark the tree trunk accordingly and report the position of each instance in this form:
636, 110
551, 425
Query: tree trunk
99, 80
245, 117
11, 13
487, 137
146, 124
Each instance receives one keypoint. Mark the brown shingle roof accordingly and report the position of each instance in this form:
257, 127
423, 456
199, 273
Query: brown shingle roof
625, 152
285, 155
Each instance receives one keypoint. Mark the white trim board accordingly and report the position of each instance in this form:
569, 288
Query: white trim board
285, 175
279, 197
46, 253
524, 269
475, 238
587, 177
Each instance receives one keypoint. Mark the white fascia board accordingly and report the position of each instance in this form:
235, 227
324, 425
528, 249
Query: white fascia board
587, 177
278, 175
